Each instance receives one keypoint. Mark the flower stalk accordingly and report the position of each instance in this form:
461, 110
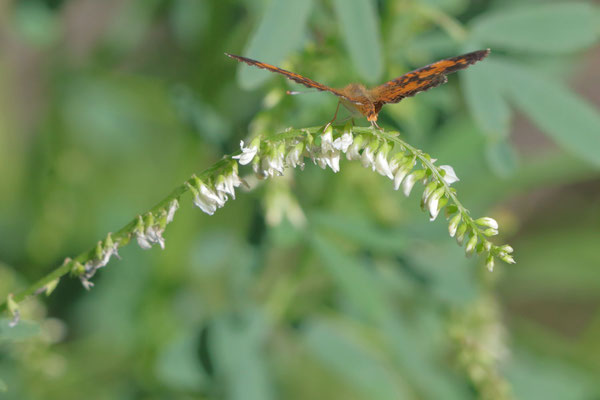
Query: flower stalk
268, 155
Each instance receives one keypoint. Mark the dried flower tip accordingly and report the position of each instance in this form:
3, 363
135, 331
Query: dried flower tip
16, 317
487, 221
154, 235
449, 176
173, 206
13, 308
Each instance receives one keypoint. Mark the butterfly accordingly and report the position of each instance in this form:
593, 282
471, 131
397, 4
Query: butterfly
368, 102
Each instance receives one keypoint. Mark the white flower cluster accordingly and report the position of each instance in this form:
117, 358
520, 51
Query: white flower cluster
103, 253
148, 231
373, 151
209, 196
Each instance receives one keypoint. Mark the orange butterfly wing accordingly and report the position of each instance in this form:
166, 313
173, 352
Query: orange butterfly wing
424, 78
291, 75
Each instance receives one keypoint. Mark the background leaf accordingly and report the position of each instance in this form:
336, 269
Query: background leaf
572, 122
484, 95
542, 28
359, 26
279, 32
347, 356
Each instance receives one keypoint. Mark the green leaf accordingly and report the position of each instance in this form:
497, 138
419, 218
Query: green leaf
361, 231
279, 32
545, 28
572, 122
453, 7
484, 97
189, 20
23, 330
237, 345
3, 387
360, 29
351, 358
178, 365
501, 158
357, 285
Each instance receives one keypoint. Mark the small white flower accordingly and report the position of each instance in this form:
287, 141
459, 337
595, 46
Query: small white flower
453, 225
507, 258
381, 164
400, 175
343, 142
226, 184
408, 183
104, 252
487, 221
490, 263
450, 176
294, 157
142, 240
368, 157
332, 159
353, 152
173, 206
154, 235
248, 153
433, 202
320, 161
327, 141
471, 245
206, 199
397, 162
273, 165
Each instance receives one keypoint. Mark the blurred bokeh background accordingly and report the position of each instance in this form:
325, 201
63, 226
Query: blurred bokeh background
314, 285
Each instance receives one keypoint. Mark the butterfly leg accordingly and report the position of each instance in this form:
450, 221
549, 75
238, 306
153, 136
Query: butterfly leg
334, 116
374, 125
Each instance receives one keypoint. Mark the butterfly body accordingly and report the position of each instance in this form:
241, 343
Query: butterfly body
368, 102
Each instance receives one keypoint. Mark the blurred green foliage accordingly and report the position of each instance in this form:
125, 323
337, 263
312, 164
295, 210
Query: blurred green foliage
106, 106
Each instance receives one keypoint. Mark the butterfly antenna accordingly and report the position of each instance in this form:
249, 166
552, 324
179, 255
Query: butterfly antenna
294, 92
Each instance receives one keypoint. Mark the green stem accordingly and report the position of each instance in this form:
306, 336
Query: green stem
426, 162
122, 235
453, 28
